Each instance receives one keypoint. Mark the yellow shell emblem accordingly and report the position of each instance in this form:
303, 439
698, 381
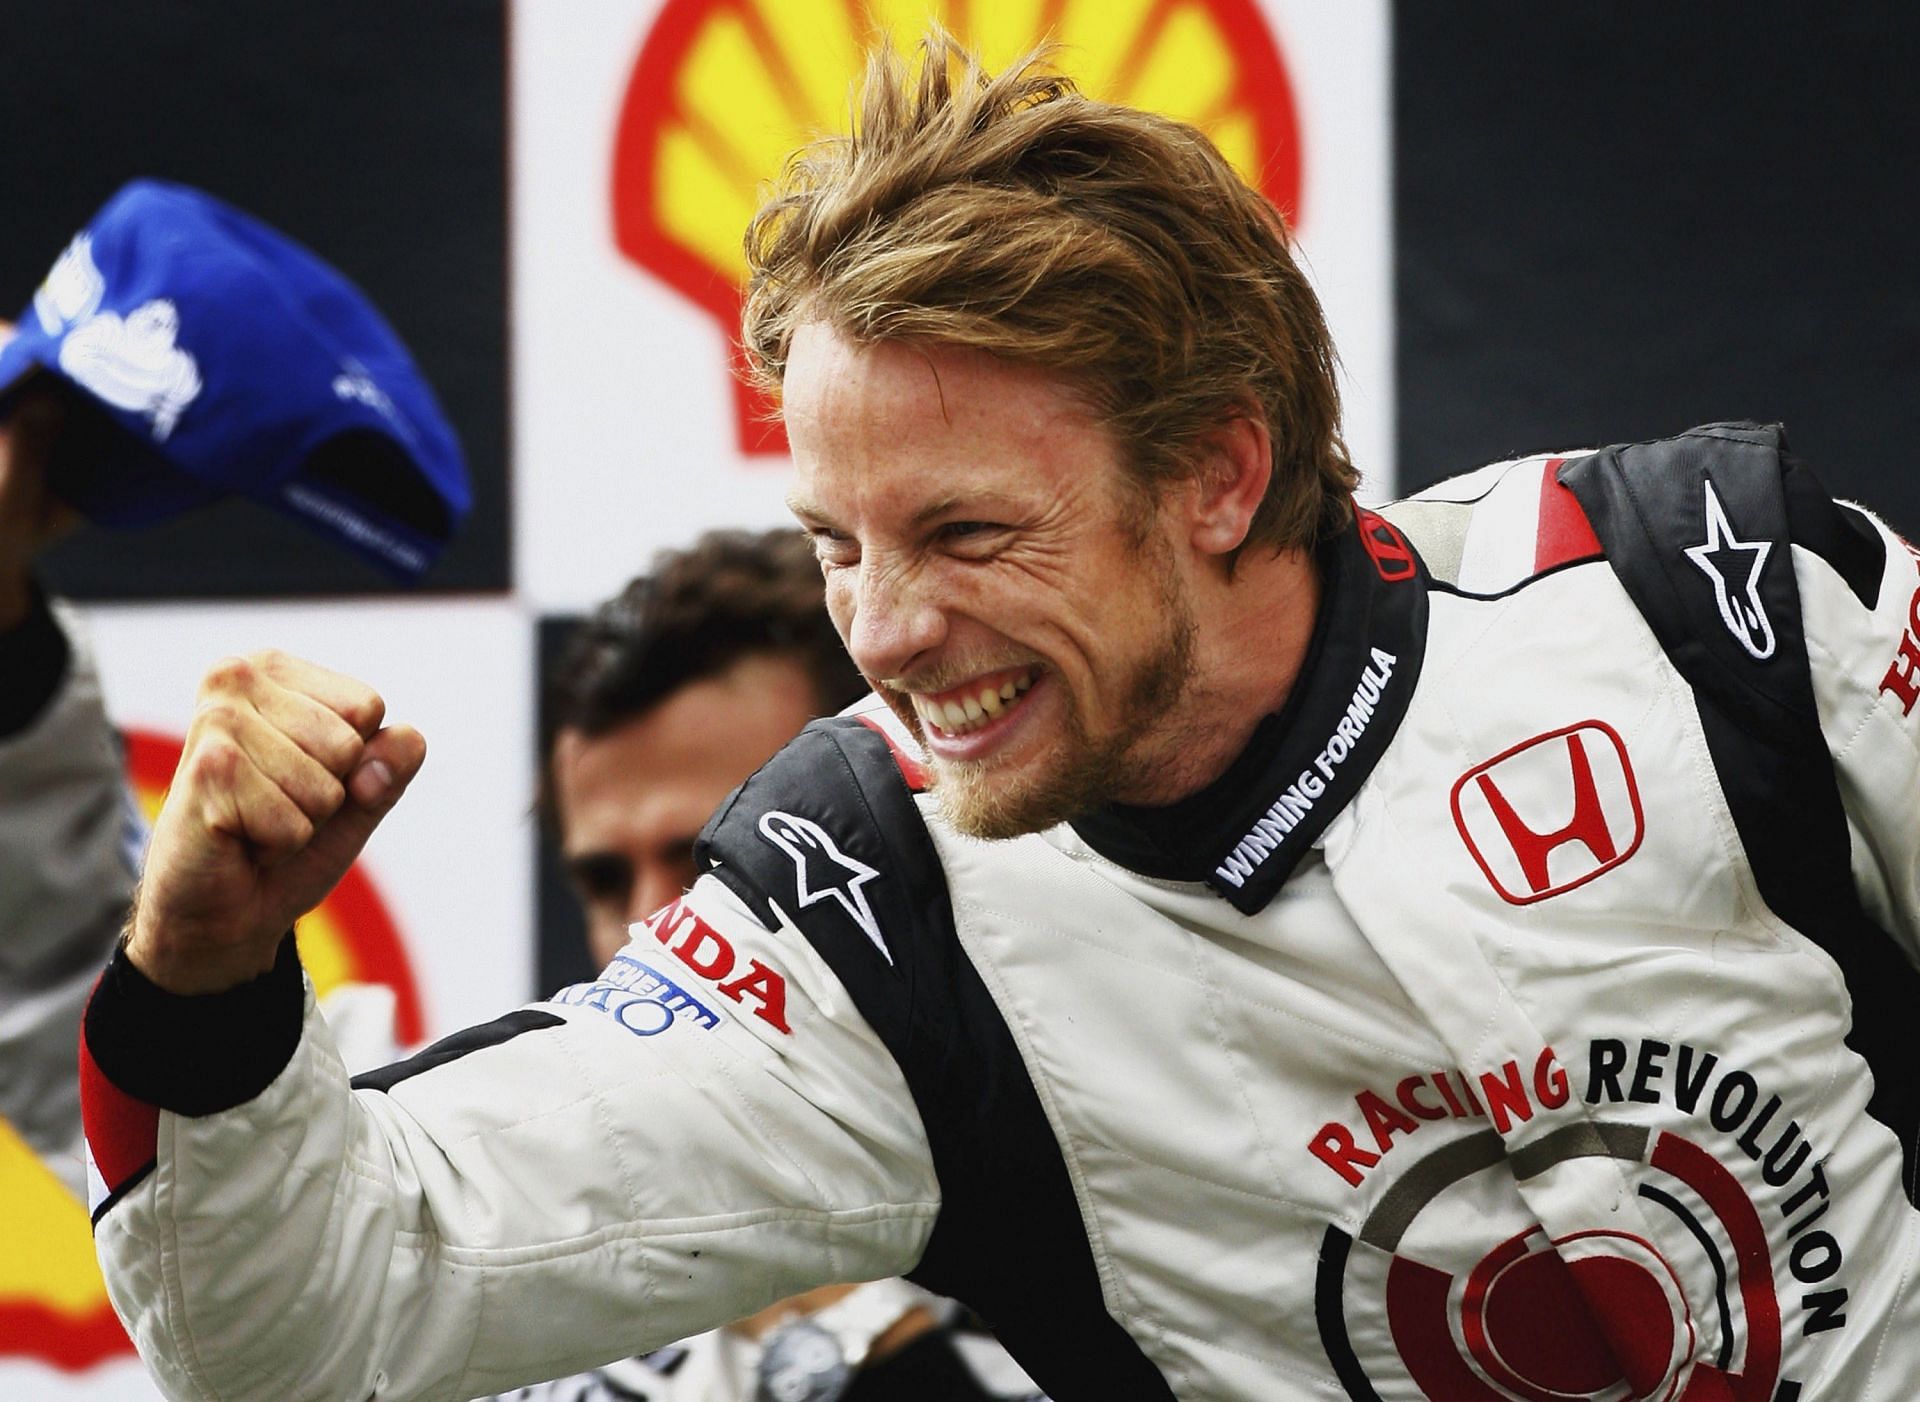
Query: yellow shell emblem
723, 90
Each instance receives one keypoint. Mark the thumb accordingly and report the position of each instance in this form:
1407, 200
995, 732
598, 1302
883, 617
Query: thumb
387, 765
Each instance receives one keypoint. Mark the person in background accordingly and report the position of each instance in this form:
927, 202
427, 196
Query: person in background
660, 704
157, 369
666, 698
68, 835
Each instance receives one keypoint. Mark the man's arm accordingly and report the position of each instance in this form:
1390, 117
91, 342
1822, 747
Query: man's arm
643, 1158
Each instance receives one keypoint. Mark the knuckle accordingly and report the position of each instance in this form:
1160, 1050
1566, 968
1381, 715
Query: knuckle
215, 715
339, 747
214, 762
229, 674
284, 829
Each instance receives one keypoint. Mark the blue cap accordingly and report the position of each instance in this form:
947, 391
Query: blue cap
226, 358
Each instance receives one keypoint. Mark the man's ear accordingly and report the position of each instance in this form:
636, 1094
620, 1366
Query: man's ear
1235, 467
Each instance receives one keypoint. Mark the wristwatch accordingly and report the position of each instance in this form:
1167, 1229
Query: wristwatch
813, 1358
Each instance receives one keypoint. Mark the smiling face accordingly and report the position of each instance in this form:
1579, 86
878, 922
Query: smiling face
1017, 601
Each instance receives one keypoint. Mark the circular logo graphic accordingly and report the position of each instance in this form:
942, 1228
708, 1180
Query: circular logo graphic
1405, 1308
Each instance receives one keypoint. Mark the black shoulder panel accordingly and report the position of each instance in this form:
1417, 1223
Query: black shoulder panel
1837, 533
1698, 530
829, 832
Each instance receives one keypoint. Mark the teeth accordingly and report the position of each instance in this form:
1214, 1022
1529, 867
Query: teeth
969, 713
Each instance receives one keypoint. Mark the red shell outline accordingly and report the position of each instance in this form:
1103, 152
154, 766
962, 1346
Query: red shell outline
72, 1343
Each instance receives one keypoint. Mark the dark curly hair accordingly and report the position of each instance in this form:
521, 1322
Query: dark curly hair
698, 611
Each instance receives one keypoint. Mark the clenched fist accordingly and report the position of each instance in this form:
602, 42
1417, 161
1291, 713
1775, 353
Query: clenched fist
285, 774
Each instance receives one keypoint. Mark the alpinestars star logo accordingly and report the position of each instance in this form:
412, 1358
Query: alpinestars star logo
823, 872
1734, 566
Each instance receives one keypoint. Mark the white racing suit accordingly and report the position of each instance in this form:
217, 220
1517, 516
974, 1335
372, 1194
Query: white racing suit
1525, 1013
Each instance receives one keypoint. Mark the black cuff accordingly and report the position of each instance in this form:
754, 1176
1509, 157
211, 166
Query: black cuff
33, 663
195, 1054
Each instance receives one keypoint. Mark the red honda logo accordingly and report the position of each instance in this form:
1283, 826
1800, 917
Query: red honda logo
1551, 813
1392, 556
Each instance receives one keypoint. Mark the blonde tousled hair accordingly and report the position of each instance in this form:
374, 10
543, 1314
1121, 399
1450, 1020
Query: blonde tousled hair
1111, 246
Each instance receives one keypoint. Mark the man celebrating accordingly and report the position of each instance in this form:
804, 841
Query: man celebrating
1253, 948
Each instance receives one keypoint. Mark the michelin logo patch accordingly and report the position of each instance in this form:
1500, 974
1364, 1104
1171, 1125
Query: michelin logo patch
73, 288
638, 997
133, 363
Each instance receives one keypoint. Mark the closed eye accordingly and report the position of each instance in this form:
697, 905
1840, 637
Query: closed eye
971, 539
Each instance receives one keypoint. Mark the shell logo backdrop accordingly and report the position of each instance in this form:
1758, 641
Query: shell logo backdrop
725, 89
53, 1303
643, 136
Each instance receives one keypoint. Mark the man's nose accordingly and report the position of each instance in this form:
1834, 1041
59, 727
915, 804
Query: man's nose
897, 620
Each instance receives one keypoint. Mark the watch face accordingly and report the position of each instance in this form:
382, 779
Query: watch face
802, 1362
